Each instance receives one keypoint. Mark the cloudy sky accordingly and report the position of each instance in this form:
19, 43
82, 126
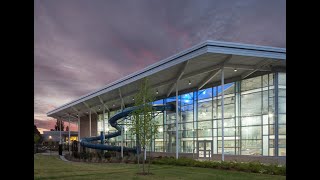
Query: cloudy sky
82, 45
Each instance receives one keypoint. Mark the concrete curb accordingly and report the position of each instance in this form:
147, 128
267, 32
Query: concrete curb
64, 159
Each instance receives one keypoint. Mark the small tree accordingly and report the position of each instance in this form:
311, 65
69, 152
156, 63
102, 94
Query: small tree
143, 126
57, 125
37, 136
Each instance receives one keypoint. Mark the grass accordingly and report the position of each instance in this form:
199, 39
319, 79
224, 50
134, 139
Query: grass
51, 167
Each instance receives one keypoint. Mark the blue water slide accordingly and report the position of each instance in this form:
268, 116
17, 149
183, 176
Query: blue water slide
87, 142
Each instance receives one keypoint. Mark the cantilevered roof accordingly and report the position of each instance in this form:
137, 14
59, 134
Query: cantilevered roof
200, 65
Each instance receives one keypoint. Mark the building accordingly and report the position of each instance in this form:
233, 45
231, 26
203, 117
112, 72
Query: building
254, 102
54, 137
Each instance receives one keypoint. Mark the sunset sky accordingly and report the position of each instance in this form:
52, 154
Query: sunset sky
82, 45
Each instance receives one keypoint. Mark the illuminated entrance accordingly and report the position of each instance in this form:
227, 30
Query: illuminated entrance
204, 149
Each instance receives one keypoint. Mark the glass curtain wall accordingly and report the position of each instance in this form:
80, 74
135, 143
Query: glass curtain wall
249, 119
282, 114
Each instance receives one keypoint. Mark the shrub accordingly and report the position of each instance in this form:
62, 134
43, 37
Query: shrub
254, 167
242, 167
76, 154
99, 155
84, 155
107, 155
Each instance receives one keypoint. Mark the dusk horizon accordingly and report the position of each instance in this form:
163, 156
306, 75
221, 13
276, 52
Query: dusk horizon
82, 46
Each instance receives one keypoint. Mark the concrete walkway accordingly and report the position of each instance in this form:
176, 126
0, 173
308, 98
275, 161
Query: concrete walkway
54, 153
64, 159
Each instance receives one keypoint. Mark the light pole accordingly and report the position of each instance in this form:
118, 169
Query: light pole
50, 137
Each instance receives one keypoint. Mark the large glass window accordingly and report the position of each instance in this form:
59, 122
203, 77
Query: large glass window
205, 110
205, 93
227, 123
228, 132
251, 104
252, 83
251, 120
282, 105
187, 113
186, 99
253, 132
229, 146
251, 147
204, 124
228, 89
229, 108
282, 114
282, 78
186, 126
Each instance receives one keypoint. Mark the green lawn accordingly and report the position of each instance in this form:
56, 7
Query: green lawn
51, 167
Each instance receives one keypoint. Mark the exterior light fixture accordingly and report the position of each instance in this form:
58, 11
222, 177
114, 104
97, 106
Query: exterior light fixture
132, 99
235, 70
50, 137
189, 82
157, 92
99, 107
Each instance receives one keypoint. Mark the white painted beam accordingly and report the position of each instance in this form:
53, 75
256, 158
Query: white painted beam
214, 73
90, 108
122, 103
262, 63
180, 74
208, 78
106, 106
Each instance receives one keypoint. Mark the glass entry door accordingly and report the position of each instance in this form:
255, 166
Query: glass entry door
204, 149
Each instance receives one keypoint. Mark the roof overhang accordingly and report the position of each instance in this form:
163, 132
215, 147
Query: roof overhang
200, 64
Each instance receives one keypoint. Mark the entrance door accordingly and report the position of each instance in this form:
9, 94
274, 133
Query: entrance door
204, 149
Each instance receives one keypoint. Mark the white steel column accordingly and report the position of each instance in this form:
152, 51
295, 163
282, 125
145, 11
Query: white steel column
69, 135
276, 113
222, 111
78, 133
60, 142
122, 129
103, 128
90, 126
103, 116
177, 119
89, 122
